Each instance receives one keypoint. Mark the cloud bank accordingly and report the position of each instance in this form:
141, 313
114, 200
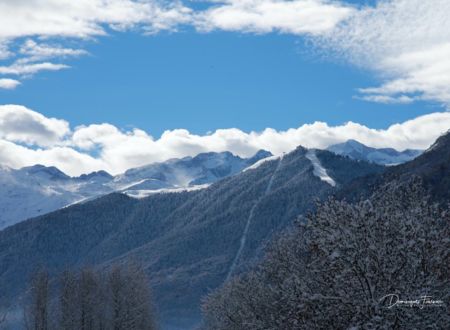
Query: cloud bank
27, 138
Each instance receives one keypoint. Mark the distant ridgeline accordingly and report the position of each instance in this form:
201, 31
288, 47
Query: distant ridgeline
39, 189
189, 241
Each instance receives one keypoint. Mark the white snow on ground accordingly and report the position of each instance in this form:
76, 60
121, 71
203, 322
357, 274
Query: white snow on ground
319, 170
260, 162
145, 193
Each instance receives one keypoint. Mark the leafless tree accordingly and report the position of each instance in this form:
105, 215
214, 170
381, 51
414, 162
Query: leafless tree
93, 300
38, 308
68, 301
130, 295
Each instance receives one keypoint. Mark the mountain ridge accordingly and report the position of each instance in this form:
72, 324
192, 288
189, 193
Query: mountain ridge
383, 156
187, 241
39, 189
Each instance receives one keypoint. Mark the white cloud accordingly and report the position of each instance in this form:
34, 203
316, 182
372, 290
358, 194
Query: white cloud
6, 83
4, 50
66, 159
104, 146
80, 19
38, 52
406, 42
21, 69
85, 18
264, 16
19, 124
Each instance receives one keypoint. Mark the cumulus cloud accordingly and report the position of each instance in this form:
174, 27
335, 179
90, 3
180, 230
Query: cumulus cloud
19, 124
85, 18
27, 138
66, 159
264, 16
6, 83
406, 42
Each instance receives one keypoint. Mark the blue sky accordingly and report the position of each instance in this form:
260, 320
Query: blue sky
203, 82
111, 85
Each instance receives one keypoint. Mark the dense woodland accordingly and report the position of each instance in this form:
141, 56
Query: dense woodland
334, 268
331, 270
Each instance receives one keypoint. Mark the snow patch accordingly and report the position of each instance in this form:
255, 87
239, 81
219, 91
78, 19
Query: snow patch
319, 170
260, 162
138, 194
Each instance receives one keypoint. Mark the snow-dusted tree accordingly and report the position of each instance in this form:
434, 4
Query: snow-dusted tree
334, 270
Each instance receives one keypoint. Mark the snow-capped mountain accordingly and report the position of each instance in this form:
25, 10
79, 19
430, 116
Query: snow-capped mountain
382, 156
186, 172
36, 190
189, 242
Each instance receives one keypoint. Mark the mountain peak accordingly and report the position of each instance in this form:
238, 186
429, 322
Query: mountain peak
93, 175
51, 171
383, 156
260, 154
210, 155
443, 142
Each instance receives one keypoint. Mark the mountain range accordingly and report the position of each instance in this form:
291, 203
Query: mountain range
39, 189
36, 190
382, 156
190, 242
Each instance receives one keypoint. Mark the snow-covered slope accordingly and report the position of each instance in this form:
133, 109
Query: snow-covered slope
319, 170
36, 190
190, 171
383, 156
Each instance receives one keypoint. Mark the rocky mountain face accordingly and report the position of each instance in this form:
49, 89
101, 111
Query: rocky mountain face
189, 242
382, 156
36, 190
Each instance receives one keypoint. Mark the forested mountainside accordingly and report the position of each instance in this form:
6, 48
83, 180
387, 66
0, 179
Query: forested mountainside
380, 263
188, 242
36, 190
433, 167
350, 265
